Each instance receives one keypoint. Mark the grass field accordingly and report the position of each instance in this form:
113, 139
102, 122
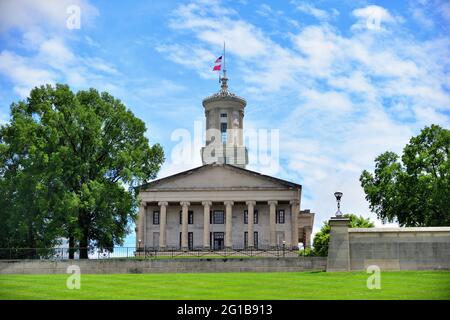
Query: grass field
285, 285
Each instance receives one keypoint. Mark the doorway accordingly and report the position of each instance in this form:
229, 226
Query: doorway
218, 240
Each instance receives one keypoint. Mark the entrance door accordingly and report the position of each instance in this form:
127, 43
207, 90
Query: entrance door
218, 240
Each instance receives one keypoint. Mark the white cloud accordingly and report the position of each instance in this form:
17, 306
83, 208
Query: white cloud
372, 17
192, 57
212, 24
28, 14
310, 9
40, 29
100, 65
21, 72
49, 60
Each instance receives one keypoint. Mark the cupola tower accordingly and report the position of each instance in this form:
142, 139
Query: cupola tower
224, 112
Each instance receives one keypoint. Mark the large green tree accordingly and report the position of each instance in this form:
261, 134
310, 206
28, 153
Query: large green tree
69, 163
416, 190
322, 238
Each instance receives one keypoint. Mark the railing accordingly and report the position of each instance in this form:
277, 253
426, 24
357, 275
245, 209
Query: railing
153, 253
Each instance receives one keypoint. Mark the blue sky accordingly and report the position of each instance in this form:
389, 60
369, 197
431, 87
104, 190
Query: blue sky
342, 81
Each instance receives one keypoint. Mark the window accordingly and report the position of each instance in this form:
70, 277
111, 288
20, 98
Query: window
280, 216
191, 240
245, 239
190, 217
255, 217
155, 217
223, 115
218, 217
255, 239
223, 132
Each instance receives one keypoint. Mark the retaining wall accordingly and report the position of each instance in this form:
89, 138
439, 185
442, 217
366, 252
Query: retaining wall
400, 248
388, 248
188, 265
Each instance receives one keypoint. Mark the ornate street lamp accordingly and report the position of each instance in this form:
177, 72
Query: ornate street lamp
338, 196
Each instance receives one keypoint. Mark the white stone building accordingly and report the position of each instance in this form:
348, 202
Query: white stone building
208, 206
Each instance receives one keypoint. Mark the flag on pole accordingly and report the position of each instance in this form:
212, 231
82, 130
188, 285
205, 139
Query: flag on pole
218, 64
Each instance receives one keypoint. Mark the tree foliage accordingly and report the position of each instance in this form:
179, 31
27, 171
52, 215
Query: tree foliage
322, 238
69, 163
416, 190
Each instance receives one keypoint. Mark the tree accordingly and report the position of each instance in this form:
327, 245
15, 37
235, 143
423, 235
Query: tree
415, 191
69, 164
322, 238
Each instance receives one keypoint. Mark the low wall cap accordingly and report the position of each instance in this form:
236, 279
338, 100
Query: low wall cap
401, 229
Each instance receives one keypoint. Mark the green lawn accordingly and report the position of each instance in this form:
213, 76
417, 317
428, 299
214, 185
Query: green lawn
283, 285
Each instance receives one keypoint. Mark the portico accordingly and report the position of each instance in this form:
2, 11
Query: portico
189, 211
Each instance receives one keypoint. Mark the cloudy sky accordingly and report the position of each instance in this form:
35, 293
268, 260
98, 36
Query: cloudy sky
341, 81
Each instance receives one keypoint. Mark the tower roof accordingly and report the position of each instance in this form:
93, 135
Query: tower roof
224, 93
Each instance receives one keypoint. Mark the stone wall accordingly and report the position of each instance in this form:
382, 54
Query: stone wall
389, 248
400, 248
188, 265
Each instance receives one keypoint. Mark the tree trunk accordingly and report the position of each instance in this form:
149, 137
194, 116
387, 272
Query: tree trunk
31, 243
71, 245
84, 243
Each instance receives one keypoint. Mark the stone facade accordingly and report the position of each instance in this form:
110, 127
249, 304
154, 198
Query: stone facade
208, 206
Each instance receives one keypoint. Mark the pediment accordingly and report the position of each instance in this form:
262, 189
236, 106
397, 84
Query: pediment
218, 176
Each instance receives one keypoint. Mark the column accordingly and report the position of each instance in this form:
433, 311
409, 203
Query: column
141, 226
250, 218
228, 223
272, 218
184, 224
294, 222
162, 224
206, 209
338, 258
308, 231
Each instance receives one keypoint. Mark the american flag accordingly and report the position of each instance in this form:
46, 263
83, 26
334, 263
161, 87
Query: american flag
218, 64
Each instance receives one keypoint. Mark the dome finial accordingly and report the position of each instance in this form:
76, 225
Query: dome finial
224, 82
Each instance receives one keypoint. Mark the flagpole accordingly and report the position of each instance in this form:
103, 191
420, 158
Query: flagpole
224, 61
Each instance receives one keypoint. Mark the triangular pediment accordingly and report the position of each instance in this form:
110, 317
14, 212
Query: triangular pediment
218, 176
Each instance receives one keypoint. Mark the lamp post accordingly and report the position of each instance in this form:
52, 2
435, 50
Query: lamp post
284, 247
338, 196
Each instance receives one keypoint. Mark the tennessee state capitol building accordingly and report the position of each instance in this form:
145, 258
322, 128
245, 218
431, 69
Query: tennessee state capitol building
222, 204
